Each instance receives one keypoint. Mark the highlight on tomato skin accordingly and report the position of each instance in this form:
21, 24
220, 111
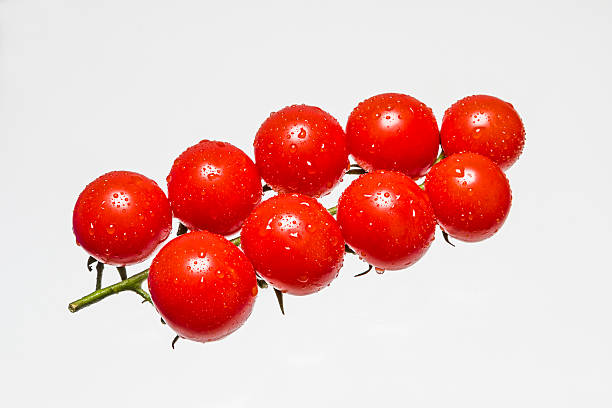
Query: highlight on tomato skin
213, 186
485, 125
294, 243
203, 286
393, 131
121, 217
387, 219
470, 195
301, 149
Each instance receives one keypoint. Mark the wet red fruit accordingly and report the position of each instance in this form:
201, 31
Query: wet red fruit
213, 186
203, 286
387, 219
470, 195
301, 149
393, 132
486, 125
121, 217
293, 243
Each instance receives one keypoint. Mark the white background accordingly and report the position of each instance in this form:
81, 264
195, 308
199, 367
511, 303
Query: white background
520, 320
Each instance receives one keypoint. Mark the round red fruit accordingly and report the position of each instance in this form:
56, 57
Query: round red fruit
213, 186
393, 131
203, 286
293, 243
301, 149
470, 195
486, 125
121, 217
387, 219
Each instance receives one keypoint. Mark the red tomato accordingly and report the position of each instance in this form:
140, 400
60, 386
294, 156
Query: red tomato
486, 125
393, 132
203, 286
213, 186
293, 243
301, 149
470, 195
387, 219
121, 217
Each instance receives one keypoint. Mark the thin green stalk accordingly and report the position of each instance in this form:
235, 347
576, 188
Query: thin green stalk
133, 283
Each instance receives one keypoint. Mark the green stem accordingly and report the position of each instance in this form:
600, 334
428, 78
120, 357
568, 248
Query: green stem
133, 284
441, 157
99, 270
122, 272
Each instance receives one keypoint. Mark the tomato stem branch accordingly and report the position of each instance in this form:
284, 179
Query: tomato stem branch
99, 270
122, 272
441, 157
133, 283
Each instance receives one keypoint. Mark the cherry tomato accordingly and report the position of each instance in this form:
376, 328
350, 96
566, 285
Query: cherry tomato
387, 219
393, 132
203, 286
470, 195
293, 243
121, 217
486, 125
301, 149
213, 186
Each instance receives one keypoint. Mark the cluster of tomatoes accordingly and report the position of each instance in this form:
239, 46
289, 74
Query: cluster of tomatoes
204, 286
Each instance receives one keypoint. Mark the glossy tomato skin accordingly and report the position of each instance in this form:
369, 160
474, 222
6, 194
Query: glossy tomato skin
213, 186
470, 195
393, 131
203, 286
486, 125
387, 219
301, 149
293, 243
121, 217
